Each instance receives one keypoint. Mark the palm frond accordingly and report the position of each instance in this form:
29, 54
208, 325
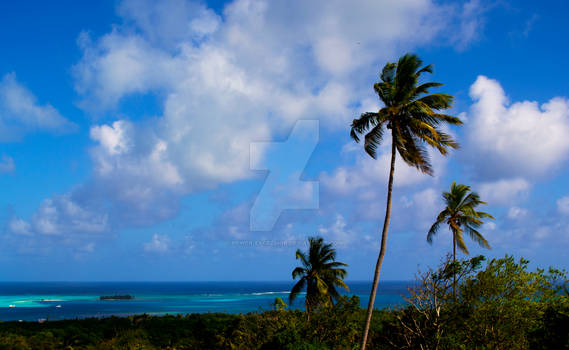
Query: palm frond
476, 236
365, 122
388, 72
296, 289
426, 69
411, 152
435, 101
373, 140
303, 258
299, 271
433, 230
449, 119
333, 264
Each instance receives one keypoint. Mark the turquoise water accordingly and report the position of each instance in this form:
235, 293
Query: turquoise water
68, 300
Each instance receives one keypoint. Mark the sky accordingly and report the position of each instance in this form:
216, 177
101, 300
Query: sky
187, 141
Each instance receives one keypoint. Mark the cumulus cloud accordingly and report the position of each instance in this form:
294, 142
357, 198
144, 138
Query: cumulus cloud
517, 213
471, 22
159, 244
521, 139
504, 191
337, 233
20, 112
7, 164
168, 22
563, 205
111, 138
20, 227
223, 82
367, 174
134, 171
61, 223
61, 216
249, 77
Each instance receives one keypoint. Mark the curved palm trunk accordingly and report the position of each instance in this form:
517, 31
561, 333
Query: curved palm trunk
382, 248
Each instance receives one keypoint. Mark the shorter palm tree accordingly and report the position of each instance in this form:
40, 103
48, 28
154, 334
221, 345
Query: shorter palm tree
320, 274
461, 216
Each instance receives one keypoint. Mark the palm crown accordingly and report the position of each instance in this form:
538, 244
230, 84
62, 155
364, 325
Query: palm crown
409, 112
461, 216
320, 274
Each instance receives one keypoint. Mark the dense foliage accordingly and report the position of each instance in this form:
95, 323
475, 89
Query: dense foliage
338, 327
504, 306
501, 306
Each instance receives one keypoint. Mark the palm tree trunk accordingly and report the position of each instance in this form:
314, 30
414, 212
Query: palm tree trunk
382, 248
307, 307
454, 262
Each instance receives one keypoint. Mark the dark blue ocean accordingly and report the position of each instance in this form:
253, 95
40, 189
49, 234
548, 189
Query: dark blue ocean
31, 301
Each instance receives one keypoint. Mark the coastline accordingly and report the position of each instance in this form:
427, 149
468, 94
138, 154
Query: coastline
81, 300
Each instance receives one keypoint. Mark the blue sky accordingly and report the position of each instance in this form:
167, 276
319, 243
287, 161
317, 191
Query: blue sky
135, 135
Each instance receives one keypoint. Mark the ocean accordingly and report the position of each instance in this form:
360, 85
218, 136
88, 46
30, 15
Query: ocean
32, 301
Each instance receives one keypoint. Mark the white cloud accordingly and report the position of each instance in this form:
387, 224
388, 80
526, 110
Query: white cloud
471, 23
63, 217
159, 244
117, 65
529, 25
521, 139
222, 83
337, 233
504, 191
121, 155
20, 112
516, 213
247, 79
271, 59
20, 227
168, 22
7, 164
112, 138
563, 205
367, 174
60, 223
426, 205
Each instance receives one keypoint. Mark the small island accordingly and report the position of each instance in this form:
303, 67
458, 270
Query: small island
116, 297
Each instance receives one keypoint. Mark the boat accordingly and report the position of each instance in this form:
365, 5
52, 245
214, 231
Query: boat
57, 306
12, 305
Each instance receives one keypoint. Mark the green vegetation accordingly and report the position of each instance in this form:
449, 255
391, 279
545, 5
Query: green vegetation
461, 216
320, 274
412, 115
503, 306
500, 306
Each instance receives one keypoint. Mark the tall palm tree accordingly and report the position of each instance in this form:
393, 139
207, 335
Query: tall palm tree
412, 115
320, 274
461, 216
